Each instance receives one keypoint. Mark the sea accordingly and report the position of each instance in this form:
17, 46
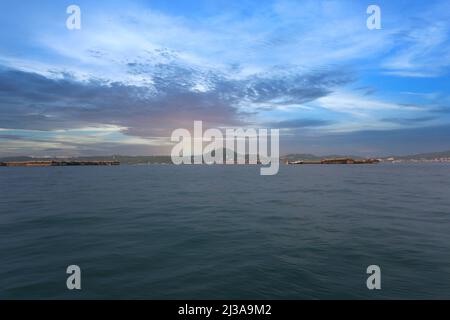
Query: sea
225, 231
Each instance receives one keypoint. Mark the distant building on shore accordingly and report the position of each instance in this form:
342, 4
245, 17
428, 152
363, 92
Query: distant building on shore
335, 161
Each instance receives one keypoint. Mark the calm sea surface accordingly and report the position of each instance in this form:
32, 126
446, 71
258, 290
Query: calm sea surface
188, 232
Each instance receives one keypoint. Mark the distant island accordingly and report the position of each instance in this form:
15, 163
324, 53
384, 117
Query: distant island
287, 159
421, 157
59, 163
335, 161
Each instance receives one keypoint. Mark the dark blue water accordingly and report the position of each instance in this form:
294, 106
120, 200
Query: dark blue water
225, 231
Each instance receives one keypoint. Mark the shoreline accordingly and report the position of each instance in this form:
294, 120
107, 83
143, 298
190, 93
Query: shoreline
53, 163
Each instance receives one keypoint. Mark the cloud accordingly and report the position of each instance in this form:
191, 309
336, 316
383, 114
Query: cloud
371, 143
269, 35
422, 46
35, 102
299, 123
408, 121
441, 109
359, 105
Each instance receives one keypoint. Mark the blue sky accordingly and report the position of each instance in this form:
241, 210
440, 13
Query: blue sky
138, 70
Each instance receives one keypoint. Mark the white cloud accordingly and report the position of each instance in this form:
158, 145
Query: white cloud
358, 105
422, 48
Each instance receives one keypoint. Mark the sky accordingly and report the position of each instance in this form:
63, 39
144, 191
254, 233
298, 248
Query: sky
138, 70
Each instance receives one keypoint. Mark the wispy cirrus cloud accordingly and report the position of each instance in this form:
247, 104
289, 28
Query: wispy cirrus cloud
423, 44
